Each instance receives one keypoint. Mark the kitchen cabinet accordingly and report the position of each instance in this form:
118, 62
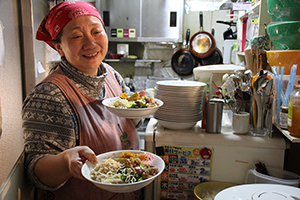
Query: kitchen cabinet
142, 20
259, 8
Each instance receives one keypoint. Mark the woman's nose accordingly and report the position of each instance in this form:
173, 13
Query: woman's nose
89, 42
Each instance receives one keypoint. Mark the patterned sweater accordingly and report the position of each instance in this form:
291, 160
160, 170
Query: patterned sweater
50, 125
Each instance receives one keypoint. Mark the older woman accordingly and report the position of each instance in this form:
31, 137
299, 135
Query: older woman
64, 121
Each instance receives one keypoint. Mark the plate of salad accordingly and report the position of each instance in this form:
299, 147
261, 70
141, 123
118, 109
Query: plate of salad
123, 171
135, 106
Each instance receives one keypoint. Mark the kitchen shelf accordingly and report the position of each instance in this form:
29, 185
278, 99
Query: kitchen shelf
255, 8
260, 8
131, 60
287, 134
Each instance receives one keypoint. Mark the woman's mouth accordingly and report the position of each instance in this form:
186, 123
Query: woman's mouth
91, 55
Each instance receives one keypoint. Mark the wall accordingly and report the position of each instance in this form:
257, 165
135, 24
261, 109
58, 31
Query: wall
191, 20
11, 144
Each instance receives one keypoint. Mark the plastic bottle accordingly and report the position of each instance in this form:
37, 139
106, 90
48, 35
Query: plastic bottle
294, 112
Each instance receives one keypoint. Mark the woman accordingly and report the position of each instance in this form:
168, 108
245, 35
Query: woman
64, 121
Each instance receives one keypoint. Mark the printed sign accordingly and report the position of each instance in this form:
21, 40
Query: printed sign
185, 168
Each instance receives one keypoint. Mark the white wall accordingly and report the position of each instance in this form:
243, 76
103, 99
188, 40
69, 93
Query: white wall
11, 141
191, 20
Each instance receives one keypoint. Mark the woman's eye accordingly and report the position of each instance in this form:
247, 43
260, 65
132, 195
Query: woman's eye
98, 31
77, 36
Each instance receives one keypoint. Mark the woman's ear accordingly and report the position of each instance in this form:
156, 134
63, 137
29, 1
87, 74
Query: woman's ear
58, 48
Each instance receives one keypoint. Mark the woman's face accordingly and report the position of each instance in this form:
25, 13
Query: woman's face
84, 44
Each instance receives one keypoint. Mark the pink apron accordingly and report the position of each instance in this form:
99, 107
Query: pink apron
98, 130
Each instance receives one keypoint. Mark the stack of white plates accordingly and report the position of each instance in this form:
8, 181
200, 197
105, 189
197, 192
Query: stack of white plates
183, 103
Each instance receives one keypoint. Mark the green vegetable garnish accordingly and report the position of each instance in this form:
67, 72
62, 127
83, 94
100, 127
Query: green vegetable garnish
140, 179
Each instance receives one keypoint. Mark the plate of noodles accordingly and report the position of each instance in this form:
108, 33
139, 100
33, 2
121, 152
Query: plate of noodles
124, 170
138, 105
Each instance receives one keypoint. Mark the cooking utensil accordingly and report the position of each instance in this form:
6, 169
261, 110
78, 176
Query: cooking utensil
261, 168
259, 96
216, 56
183, 62
240, 100
228, 34
267, 104
202, 43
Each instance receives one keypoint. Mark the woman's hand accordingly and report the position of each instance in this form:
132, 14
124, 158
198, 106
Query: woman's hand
54, 170
76, 157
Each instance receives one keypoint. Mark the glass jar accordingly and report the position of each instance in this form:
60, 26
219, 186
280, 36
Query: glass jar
283, 117
294, 112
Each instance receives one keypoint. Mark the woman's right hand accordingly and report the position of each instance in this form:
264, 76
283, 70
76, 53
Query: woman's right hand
54, 170
76, 157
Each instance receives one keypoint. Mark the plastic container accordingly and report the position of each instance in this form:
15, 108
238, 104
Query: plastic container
226, 119
294, 112
277, 176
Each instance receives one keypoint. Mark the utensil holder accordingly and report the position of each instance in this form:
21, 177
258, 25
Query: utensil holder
261, 115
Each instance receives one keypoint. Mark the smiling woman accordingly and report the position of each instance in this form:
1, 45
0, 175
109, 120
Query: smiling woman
73, 125
83, 43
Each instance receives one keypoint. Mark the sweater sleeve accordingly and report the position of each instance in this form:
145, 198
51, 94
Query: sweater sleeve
120, 79
49, 126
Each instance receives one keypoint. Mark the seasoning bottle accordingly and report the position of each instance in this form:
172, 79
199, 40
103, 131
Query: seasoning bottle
294, 112
283, 116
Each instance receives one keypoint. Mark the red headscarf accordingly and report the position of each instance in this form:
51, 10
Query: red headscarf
60, 15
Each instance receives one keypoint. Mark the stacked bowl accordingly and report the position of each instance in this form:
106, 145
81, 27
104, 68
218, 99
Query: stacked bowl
183, 103
284, 30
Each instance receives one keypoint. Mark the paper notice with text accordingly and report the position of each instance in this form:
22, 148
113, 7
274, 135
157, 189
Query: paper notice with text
185, 168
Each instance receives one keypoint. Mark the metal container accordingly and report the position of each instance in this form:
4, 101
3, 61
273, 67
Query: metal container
142, 20
213, 114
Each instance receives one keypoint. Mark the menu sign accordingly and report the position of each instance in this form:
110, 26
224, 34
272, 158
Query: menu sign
185, 168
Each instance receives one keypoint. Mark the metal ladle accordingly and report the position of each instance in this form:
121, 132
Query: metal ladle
259, 98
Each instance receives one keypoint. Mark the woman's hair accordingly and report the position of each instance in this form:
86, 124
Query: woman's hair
57, 39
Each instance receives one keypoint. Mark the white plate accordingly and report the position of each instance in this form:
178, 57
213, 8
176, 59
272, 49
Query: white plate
179, 111
176, 125
178, 118
180, 83
122, 188
131, 113
179, 100
259, 192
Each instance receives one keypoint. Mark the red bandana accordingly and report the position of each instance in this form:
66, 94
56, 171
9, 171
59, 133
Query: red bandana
60, 15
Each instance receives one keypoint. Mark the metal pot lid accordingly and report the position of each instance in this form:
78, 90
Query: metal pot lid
260, 192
